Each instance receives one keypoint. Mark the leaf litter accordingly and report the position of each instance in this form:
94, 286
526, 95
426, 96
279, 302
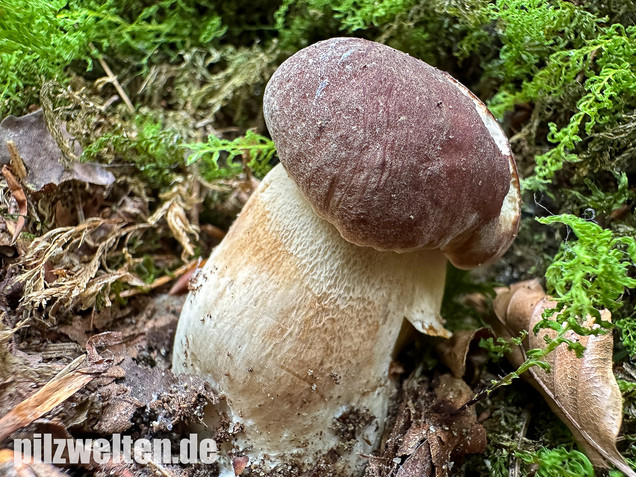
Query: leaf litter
430, 432
73, 243
41, 154
79, 268
582, 392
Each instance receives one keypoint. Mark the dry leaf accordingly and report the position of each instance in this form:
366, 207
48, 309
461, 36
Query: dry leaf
41, 154
107, 338
176, 201
454, 351
583, 392
20, 198
81, 282
430, 433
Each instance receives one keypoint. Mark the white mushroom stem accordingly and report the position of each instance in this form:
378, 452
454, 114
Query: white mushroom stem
294, 325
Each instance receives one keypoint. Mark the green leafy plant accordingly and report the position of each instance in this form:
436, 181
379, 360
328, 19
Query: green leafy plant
608, 91
585, 277
626, 387
497, 348
253, 150
38, 40
534, 357
164, 28
361, 14
597, 57
531, 31
627, 328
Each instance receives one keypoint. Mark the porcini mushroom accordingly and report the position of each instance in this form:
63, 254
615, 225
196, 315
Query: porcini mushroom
389, 168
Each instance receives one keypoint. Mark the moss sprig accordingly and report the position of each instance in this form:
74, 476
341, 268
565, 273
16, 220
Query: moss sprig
557, 461
588, 274
253, 150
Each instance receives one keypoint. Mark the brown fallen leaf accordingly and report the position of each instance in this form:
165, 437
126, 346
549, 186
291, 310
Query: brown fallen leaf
583, 392
41, 154
176, 202
454, 351
107, 338
20, 198
429, 433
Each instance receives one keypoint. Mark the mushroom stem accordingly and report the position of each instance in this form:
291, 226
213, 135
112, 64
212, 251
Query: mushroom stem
296, 326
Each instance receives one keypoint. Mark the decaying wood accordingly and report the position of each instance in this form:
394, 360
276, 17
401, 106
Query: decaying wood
70, 380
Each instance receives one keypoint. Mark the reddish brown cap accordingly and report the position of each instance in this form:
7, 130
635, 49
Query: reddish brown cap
393, 152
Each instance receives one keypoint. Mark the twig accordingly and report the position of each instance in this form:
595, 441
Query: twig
113, 79
158, 282
213, 231
515, 469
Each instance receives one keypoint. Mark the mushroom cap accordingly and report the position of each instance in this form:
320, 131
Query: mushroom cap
396, 154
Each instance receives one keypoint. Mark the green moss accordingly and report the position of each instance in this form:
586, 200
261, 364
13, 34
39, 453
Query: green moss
38, 40
591, 273
521, 426
157, 32
604, 202
531, 31
609, 89
627, 328
555, 52
498, 347
362, 14
558, 461
144, 143
459, 283
161, 153
253, 150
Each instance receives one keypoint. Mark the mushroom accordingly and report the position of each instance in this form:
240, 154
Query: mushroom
390, 168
